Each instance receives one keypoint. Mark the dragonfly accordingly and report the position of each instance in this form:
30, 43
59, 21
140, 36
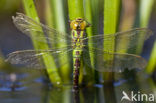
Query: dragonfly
77, 44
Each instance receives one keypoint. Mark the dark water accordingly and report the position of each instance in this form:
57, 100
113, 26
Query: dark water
30, 86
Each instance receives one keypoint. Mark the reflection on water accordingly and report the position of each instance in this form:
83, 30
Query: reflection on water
10, 82
15, 88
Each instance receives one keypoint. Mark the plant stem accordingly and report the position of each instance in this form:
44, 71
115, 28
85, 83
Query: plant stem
152, 61
111, 14
75, 8
92, 16
58, 19
48, 60
145, 12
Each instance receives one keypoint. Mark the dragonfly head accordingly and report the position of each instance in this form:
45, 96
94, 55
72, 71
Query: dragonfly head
79, 24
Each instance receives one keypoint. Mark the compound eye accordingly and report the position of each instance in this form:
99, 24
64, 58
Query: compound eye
73, 25
83, 25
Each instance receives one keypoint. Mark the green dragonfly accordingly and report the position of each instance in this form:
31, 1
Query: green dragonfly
78, 46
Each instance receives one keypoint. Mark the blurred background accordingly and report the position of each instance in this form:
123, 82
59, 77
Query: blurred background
11, 39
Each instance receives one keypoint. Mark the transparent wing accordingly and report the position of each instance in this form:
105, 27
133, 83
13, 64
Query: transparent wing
128, 36
40, 32
34, 59
112, 62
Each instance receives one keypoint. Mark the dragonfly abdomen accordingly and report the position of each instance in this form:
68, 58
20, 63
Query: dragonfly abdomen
76, 65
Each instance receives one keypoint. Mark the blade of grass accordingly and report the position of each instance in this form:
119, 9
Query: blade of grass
48, 14
128, 14
88, 17
75, 8
50, 22
127, 21
92, 16
145, 12
152, 61
152, 85
111, 14
89, 31
48, 60
59, 24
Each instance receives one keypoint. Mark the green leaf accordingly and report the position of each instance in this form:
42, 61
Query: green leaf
152, 61
111, 14
145, 13
58, 19
48, 59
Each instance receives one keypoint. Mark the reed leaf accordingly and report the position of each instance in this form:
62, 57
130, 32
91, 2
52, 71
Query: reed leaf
75, 8
111, 14
145, 13
127, 21
152, 61
92, 16
58, 19
48, 60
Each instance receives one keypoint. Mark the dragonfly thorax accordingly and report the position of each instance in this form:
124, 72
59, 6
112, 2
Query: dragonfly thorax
77, 39
78, 43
